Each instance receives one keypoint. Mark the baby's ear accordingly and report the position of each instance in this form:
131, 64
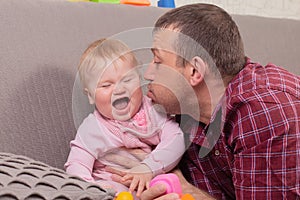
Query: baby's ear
89, 95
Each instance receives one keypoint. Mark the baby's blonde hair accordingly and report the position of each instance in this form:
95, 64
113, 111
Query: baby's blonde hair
98, 56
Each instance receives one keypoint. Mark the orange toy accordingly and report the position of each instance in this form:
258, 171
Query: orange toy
136, 2
187, 197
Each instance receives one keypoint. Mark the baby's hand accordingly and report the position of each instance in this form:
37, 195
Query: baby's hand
140, 177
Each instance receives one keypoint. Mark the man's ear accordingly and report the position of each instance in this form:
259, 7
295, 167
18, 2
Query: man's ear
198, 69
89, 95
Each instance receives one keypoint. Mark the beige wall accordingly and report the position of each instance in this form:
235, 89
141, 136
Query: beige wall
267, 8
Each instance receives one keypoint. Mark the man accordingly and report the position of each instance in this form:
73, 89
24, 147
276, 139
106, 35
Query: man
243, 119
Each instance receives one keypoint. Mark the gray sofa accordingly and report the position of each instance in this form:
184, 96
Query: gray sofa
40, 45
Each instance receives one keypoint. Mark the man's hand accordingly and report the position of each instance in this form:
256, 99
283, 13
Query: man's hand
190, 189
157, 191
117, 175
127, 158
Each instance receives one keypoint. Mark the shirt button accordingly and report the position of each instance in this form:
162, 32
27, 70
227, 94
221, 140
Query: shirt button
217, 152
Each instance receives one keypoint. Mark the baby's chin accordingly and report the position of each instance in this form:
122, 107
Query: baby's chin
123, 117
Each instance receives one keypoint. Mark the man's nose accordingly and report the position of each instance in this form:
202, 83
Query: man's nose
149, 73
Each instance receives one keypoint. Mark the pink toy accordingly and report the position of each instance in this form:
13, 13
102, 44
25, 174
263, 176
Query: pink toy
170, 180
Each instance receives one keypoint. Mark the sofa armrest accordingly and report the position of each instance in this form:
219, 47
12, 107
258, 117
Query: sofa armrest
24, 178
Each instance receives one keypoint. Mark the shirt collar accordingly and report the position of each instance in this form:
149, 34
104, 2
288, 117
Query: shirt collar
206, 136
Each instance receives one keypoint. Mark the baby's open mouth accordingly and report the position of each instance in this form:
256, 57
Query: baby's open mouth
121, 103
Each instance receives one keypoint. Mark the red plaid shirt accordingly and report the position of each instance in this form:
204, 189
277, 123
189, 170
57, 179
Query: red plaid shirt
254, 138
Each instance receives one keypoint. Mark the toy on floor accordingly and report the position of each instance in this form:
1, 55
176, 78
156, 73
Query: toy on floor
107, 1
166, 3
172, 184
136, 2
131, 2
124, 196
170, 180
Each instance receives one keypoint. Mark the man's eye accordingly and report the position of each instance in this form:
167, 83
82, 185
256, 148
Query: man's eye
156, 61
156, 64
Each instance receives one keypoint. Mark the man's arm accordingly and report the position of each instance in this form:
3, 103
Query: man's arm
265, 140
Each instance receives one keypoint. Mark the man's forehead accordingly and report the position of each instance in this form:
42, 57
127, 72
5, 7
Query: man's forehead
164, 39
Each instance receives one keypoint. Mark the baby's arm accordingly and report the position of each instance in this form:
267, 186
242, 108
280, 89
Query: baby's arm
80, 162
168, 152
162, 159
89, 142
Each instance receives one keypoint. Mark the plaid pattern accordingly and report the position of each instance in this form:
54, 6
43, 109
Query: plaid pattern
257, 155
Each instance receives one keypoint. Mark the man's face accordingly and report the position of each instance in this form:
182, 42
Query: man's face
167, 80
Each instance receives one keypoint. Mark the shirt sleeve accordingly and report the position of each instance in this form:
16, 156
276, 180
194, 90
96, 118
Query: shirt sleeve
80, 162
168, 152
91, 142
265, 144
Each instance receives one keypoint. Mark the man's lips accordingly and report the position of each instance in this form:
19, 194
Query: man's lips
150, 94
149, 87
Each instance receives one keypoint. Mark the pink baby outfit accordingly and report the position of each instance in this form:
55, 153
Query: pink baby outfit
154, 132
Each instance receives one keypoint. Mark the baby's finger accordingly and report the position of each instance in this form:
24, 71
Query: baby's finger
140, 189
134, 184
147, 185
127, 177
119, 179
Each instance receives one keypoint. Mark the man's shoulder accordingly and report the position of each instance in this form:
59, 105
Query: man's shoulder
255, 78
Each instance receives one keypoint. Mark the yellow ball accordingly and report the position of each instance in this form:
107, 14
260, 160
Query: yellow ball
124, 196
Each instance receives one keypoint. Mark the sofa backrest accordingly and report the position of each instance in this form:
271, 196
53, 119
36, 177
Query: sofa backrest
270, 40
40, 46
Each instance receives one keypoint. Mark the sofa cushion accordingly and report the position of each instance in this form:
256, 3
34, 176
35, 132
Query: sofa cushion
25, 178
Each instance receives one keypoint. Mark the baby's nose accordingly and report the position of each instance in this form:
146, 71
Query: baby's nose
119, 89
